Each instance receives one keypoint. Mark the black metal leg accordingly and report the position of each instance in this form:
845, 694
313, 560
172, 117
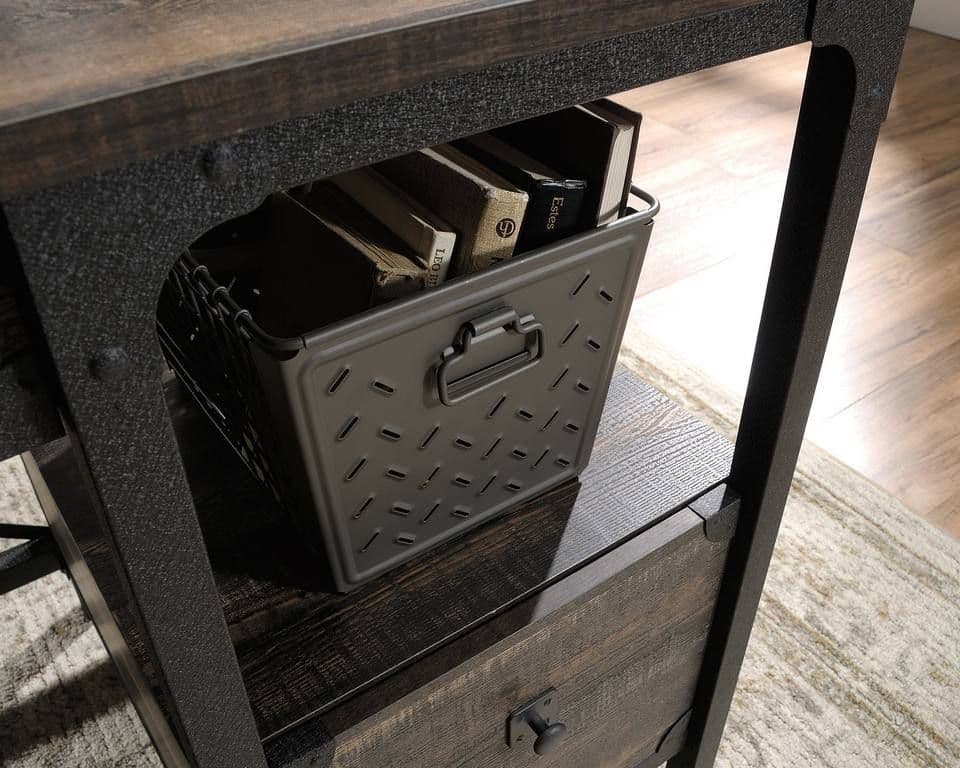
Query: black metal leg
851, 73
98, 318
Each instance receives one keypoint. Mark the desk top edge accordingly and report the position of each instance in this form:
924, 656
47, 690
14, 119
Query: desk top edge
74, 71
57, 55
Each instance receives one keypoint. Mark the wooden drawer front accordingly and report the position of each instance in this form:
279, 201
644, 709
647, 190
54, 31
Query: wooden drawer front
621, 641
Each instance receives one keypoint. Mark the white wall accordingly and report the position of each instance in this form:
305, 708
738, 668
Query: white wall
940, 16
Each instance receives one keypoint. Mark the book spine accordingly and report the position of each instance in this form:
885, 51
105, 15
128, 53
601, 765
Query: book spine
552, 213
433, 246
498, 228
439, 253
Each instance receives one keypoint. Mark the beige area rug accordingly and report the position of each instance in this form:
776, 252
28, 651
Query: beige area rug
854, 659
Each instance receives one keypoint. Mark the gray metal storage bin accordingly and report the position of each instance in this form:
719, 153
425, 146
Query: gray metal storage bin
402, 427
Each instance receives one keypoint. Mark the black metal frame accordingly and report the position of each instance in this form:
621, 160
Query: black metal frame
94, 253
35, 558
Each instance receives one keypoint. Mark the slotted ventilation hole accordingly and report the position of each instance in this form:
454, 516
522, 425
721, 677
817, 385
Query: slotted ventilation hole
523, 413
542, 457
582, 386
496, 406
572, 426
396, 473
432, 509
487, 484
606, 295
492, 447
460, 511
569, 335
338, 380
580, 284
462, 480
363, 507
556, 381
429, 437
356, 469
549, 421
390, 433
518, 453
513, 486
463, 442
401, 508
430, 477
370, 541
382, 387
348, 427
562, 461
593, 344
405, 539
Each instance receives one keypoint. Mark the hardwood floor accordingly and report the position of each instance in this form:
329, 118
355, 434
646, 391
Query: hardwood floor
888, 403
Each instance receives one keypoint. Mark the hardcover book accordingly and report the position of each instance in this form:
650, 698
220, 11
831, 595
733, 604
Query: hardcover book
331, 259
581, 143
484, 208
629, 120
423, 231
553, 209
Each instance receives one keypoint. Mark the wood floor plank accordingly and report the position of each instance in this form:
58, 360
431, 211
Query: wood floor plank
904, 314
907, 432
923, 220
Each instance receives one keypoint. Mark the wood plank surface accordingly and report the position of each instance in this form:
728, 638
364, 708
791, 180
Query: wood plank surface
87, 85
303, 651
715, 148
621, 641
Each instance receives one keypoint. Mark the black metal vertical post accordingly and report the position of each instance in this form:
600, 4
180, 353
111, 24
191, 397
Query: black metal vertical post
95, 296
850, 78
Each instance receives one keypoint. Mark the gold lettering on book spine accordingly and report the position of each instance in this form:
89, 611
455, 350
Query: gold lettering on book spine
555, 205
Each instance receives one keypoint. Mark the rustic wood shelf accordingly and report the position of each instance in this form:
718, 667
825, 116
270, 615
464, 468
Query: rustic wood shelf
302, 651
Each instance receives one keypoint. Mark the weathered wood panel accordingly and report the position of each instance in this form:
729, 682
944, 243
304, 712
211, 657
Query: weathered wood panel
621, 641
303, 650
93, 85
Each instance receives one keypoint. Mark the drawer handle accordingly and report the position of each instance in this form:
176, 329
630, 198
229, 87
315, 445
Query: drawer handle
473, 334
540, 716
548, 736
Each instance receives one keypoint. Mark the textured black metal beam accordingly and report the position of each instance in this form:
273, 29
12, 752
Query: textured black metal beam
853, 65
28, 562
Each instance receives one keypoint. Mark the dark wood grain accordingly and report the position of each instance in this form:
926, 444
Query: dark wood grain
302, 650
306, 653
92, 85
621, 640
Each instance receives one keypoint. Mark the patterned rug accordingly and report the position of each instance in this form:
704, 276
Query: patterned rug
854, 659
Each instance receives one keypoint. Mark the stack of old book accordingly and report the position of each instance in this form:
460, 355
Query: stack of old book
408, 224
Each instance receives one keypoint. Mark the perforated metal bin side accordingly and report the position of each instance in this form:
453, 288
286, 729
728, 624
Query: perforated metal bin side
408, 425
